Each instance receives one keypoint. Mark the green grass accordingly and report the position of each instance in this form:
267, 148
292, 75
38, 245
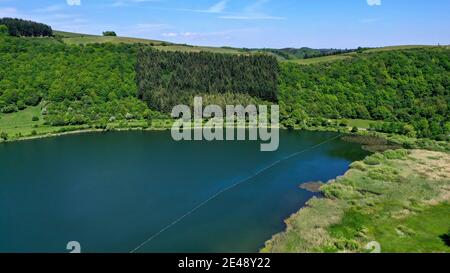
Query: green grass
77, 39
186, 48
348, 56
66, 34
397, 198
21, 122
401, 47
422, 232
325, 59
108, 39
359, 123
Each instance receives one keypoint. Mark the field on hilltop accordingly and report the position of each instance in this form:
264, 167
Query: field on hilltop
83, 39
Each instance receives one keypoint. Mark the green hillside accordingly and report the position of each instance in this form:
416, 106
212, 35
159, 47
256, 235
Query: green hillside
405, 87
83, 39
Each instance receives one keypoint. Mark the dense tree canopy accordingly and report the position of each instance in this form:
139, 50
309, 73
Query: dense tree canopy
76, 84
19, 27
409, 89
165, 78
407, 86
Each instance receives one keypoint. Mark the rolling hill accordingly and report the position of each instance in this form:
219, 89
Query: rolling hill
304, 55
83, 39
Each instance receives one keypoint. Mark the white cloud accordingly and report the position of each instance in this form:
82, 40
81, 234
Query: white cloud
180, 34
218, 7
252, 12
374, 2
73, 2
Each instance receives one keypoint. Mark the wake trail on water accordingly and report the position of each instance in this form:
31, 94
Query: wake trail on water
200, 205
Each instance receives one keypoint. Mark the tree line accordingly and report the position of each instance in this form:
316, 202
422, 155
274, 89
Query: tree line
166, 79
20, 27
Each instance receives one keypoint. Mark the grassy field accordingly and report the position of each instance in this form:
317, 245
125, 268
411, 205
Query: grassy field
20, 125
77, 39
359, 123
348, 56
399, 199
402, 47
21, 122
187, 48
325, 59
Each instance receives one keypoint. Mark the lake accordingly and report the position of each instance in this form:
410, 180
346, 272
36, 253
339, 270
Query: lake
124, 191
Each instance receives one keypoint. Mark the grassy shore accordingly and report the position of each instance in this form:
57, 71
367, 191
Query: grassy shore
29, 124
399, 199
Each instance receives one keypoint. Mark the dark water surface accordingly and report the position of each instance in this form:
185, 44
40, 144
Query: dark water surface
112, 191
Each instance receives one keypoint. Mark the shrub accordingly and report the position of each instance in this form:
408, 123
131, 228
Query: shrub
385, 174
396, 154
35, 118
109, 33
343, 123
129, 116
4, 136
33, 133
406, 231
339, 191
345, 244
374, 159
21, 105
4, 30
358, 165
9, 109
355, 130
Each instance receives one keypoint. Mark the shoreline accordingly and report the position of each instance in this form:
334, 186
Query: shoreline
117, 129
356, 209
316, 188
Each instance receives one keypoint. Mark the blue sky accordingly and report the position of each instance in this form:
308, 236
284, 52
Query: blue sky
249, 23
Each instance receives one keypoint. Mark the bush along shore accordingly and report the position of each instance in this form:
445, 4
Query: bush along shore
386, 198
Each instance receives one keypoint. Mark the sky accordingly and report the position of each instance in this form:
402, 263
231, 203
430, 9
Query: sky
249, 23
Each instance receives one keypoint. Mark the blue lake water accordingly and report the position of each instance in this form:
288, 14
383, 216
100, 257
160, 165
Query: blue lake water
111, 192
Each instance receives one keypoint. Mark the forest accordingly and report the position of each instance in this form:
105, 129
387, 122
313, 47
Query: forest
166, 79
19, 27
74, 84
409, 88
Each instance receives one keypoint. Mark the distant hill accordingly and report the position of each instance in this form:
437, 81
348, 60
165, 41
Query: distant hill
301, 53
78, 39
406, 86
353, 54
